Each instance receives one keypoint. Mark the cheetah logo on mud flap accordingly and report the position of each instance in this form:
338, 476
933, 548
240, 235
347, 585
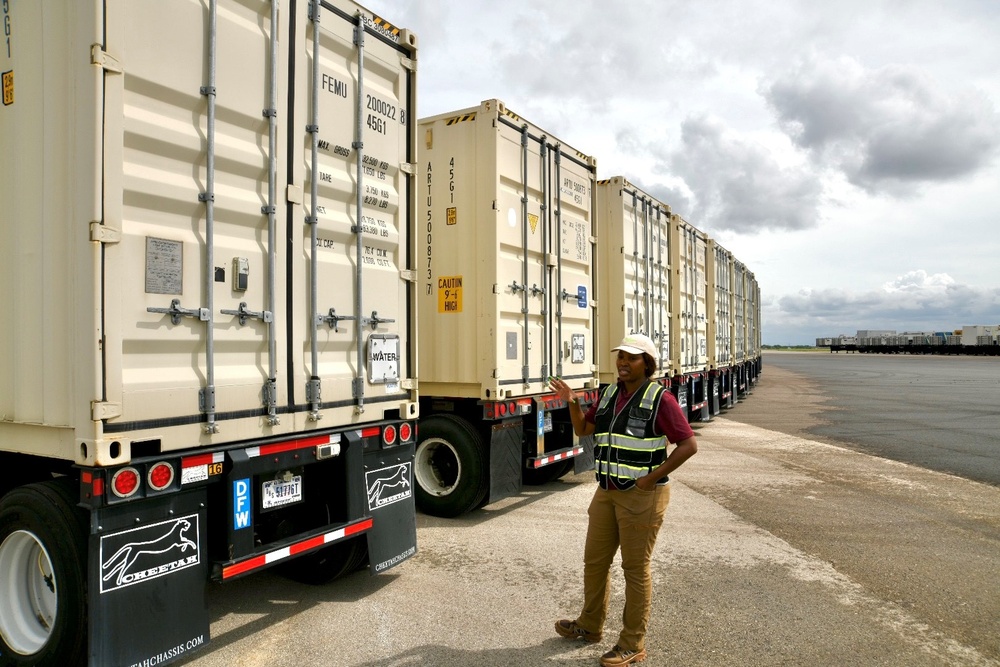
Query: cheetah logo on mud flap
148, 552
388, 485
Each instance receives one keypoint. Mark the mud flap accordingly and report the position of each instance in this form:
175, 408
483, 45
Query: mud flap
506, 442
147, 576
389, 485
584, 462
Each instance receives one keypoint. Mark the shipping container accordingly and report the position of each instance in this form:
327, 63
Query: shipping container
746, 296
721, 327
218, 197
688, 363
633, 246
506, 299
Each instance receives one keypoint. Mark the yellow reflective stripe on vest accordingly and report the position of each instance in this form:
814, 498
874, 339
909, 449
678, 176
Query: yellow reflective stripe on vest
619, 441
621, 471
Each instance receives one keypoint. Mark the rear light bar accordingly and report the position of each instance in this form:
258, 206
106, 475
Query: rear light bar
139, 479
523, 406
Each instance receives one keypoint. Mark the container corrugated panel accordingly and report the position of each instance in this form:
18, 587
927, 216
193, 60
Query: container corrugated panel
721, 328
133, 312
689, 324
506, 270
634, 240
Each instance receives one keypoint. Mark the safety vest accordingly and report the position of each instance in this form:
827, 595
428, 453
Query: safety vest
625, 446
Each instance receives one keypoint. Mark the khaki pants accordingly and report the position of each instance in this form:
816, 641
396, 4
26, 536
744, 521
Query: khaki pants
631, 520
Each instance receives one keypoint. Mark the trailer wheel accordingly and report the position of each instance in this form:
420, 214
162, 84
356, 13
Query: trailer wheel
43, 561
450, 466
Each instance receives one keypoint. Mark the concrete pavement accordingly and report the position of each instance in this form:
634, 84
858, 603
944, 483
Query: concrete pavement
777, 550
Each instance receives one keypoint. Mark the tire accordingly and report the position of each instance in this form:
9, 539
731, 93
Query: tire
326, 564
450, 467
43, 558
546, 474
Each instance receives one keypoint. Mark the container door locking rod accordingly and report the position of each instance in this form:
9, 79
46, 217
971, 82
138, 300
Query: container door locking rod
206, 398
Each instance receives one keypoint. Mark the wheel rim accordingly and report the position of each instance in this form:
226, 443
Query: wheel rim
437, 467
28, 594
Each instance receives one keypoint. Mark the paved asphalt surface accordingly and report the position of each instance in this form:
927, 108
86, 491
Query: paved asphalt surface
782, 546
937, 412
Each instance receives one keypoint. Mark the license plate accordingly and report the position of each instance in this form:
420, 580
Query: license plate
278, 492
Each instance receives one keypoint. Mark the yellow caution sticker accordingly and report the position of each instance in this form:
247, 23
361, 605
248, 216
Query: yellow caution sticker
8, 88
533, 221
452, 215
450, 294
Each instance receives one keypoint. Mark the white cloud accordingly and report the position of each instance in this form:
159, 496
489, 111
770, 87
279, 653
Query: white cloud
919, 281
889, 129
832, 147
916, 301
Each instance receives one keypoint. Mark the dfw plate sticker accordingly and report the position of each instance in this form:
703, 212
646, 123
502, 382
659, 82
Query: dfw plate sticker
140, 554
389, 485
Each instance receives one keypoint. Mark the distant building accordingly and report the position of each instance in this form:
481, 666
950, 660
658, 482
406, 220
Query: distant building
979, 334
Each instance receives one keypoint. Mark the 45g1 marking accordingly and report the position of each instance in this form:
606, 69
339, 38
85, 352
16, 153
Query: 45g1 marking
6, 24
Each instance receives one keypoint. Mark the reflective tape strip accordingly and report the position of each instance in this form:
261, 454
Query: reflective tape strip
291, 445
259, 561
622, 471
538, 463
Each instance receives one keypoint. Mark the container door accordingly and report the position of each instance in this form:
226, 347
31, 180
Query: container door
722, 306
646, 253
187, 156
350, 292
573, 331
739, 301
545, 261
693, 324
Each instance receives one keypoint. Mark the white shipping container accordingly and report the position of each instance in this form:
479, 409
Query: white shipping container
506, 275
689, 324
165, 287
634, 241
721, 324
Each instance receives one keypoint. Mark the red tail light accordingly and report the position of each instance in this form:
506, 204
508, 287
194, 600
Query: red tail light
125, 482
160, 476
405, 432
389, 435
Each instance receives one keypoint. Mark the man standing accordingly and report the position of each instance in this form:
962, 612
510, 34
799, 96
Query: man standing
633, 423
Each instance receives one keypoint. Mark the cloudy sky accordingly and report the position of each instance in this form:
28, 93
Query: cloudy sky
848, 152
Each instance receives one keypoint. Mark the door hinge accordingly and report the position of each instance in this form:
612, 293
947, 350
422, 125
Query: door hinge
100, 410
104, 234
98, 56
408, 63
408, 276
408, 168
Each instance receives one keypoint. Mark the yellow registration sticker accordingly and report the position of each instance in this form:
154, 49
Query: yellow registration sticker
8, 88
